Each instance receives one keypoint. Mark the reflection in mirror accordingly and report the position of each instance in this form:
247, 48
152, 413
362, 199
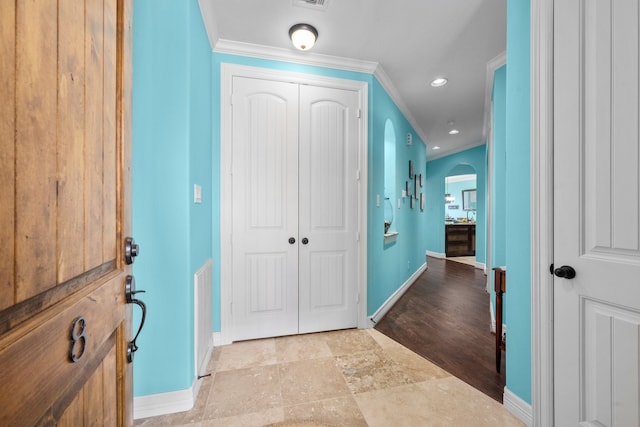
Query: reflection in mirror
469, 200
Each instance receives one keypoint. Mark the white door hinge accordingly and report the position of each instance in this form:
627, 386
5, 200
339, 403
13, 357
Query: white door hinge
359, 113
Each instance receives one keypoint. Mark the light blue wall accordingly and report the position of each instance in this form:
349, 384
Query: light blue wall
436, 171
389, 266
171, 152
499, 182
518, 242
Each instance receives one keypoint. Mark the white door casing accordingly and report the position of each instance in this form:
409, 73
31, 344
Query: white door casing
228, 172
328, 208
596, 205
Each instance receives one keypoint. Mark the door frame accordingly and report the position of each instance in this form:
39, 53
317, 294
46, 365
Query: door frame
541, 149
227, 72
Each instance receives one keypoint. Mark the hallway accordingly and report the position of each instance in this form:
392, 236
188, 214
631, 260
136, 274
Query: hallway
342, 378
444, 317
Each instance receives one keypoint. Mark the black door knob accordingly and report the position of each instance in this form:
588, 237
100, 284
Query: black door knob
565, 272
292, 240
131, 250
305, 240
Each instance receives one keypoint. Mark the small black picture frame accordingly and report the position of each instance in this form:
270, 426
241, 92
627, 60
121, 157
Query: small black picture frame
411, 169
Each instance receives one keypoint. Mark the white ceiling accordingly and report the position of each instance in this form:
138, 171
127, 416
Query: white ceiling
406, 42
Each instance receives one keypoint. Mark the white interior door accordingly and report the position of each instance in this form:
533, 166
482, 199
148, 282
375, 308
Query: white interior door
328, 208
265, 208
596, 221
295, 207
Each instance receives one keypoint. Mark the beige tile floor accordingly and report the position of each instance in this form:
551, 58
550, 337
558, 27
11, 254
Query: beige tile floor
341, 378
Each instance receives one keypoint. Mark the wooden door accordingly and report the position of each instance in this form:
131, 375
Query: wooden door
328, 206
64, 212
596, 219
265, 208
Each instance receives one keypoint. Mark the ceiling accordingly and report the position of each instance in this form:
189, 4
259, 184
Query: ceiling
406, 43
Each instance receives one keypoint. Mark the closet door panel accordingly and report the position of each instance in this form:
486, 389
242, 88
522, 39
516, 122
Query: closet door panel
265, 208
328, 208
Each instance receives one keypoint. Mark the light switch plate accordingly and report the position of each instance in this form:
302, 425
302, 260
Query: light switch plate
197, 193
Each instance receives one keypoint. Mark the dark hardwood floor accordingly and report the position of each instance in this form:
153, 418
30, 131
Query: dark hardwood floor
444, 317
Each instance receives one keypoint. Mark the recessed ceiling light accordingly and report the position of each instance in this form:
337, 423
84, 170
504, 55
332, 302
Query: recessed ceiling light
440, 81
454, 132
436, 148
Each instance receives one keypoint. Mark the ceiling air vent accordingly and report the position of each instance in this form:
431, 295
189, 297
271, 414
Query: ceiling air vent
312, 4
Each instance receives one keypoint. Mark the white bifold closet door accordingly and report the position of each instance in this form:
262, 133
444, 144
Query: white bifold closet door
294, 236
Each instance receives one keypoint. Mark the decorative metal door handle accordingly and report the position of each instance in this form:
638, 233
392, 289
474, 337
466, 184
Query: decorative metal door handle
305, 240
129, 292
292, 240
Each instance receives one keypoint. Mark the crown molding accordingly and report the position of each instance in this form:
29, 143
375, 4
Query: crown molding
492, 66
390, 88
288, 55
327, 61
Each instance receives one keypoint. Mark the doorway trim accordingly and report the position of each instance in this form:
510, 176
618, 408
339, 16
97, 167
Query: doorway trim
227, 72
542, 180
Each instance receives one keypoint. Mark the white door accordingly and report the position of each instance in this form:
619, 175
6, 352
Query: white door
265, 208
294, 208
596, 221
328, 208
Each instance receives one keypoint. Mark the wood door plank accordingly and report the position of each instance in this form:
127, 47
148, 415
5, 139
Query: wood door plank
94, 398
36, 92
7, 151
73, 415
94, 53
109, 125
71, 164
110, 392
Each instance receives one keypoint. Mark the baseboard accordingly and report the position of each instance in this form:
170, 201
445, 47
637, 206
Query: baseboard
390, 302
153, 405
218, 340
481, 266
436, 255
518, 407
171, 402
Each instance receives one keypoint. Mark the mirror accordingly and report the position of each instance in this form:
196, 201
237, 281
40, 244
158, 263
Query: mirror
469, 200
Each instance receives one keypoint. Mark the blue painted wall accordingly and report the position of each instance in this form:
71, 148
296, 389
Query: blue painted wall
177, 144
171, 151
499, 181
389, 266
518, 219
436, 171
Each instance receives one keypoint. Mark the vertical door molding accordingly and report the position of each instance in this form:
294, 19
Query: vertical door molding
542, 211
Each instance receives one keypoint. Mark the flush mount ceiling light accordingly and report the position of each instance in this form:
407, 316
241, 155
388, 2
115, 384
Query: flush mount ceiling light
303, 36
436, 148
440, 81
454, 132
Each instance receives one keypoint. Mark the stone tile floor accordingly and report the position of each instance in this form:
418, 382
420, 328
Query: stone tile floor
341, 378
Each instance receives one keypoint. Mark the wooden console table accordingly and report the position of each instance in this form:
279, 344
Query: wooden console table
500, 286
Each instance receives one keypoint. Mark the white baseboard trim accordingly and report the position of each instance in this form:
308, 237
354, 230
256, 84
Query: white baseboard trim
218, 340
436, 255
518, 407
171, 402
481, 266
390, 302
153, 405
